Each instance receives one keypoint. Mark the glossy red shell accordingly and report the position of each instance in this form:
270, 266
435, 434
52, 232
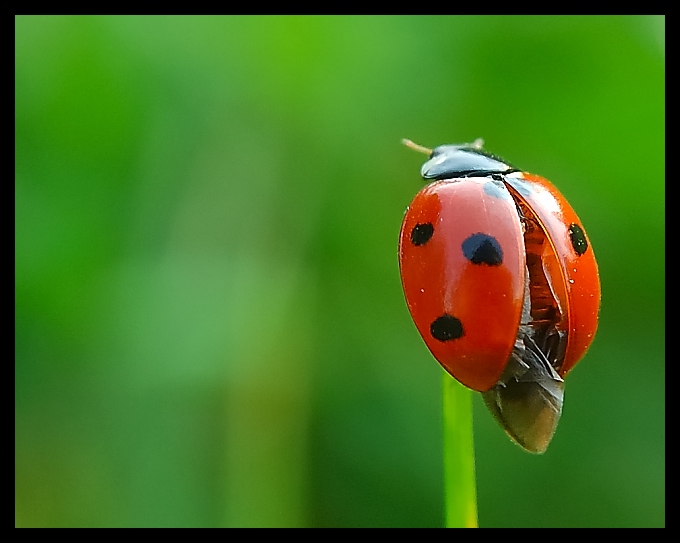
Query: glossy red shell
576, 281
438, 279
486, 298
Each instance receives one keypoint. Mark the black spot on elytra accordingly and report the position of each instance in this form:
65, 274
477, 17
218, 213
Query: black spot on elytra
446, 328
578, 239
422, 233
483, 249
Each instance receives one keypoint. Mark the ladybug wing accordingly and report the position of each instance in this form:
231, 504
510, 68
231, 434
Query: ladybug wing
462, 263
527, 400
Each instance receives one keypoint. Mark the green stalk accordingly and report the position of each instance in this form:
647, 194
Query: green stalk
460, 495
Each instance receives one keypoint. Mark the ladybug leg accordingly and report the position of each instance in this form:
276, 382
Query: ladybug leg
554, 344
541, 367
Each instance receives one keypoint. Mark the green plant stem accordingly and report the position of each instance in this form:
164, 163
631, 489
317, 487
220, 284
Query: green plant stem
460, 495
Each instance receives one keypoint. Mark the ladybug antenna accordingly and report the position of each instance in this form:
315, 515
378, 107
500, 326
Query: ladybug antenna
416, 147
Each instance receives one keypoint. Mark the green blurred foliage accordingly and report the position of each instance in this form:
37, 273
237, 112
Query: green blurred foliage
210, 328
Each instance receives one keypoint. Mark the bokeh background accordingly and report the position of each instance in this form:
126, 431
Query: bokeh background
210, 328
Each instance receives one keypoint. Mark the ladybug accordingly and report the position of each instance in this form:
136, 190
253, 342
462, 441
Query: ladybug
501, 282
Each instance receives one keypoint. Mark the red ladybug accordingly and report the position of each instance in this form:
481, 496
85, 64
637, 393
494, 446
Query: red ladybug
502, 284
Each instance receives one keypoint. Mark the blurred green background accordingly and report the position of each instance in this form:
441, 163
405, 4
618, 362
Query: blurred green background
210, 328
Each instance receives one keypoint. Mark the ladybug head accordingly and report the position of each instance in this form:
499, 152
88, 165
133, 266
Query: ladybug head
447, 161
465, 160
